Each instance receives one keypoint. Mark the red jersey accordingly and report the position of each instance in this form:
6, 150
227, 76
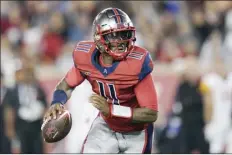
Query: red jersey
117, 83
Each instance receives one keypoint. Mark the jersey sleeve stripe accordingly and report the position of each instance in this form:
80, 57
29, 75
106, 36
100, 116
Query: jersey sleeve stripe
134, 54
82, 49
138, 53
135, 57
85, 45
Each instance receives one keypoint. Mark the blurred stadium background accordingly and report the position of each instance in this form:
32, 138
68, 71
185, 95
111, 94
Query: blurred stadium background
190, 43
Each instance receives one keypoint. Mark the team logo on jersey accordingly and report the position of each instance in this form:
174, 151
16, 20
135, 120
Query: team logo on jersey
105, 71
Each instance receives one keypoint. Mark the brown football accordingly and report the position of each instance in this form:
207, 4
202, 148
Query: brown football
56, 129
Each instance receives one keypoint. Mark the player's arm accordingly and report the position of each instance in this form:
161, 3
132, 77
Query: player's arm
147, 99
146, 95
63, 92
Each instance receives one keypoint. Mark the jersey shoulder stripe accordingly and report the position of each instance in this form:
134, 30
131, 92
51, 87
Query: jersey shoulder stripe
82, 52
83, 47
136, 55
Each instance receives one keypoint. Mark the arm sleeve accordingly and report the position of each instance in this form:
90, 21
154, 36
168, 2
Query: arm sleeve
74, 77
146, 94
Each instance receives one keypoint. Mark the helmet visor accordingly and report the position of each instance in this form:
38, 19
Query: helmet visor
118, 41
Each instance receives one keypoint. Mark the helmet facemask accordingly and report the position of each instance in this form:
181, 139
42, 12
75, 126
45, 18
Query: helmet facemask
118, 44
118, 41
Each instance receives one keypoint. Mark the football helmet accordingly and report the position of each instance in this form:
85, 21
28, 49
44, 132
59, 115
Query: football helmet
114, 33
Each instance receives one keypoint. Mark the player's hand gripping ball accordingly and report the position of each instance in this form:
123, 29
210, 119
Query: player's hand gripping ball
57, 124
100, 103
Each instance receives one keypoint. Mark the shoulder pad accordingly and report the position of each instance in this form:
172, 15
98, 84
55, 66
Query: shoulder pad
138, 53
145, 60
82, 52
84, 46
140, 62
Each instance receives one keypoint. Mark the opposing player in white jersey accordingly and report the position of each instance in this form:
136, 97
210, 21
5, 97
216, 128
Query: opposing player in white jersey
217, 86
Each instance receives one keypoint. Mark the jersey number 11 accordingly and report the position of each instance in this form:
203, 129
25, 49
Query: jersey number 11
113, 94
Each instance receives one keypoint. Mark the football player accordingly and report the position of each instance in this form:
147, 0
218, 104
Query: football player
120, 75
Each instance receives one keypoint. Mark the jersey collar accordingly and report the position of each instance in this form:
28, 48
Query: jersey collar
105, 71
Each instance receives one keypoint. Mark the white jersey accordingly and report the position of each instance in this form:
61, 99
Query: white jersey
221, 91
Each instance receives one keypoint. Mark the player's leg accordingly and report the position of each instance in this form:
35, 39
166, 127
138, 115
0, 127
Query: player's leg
25, 144
100, 138
139, 142
37, 143
5, 145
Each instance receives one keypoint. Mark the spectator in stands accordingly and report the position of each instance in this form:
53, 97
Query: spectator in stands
217, 85
169, 51
5, 146
191, 102
52, 40
27, 102
79, 28
227, 44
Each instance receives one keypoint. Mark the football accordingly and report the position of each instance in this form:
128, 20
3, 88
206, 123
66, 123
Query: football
56, 129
